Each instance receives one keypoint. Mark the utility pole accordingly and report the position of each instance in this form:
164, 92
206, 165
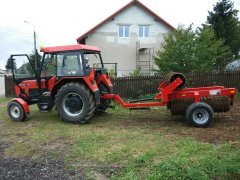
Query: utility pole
35, 46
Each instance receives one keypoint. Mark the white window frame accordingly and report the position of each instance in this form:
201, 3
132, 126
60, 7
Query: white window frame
144, 31
125, 34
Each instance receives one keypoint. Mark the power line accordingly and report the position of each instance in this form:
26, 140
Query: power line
10, 29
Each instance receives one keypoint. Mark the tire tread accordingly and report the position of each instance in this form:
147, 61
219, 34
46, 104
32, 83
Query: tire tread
91, 102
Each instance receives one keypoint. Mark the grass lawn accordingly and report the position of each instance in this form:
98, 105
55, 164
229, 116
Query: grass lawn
129, 145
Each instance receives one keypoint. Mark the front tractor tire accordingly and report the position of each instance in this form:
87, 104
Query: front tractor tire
75, 103
16, 111
199, 114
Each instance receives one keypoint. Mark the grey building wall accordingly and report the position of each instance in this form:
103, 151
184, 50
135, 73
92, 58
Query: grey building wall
123, 50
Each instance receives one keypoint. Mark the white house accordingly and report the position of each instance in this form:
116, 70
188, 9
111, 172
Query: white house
3, 71
129, 37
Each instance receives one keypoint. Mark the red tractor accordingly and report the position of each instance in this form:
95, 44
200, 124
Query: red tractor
73, 79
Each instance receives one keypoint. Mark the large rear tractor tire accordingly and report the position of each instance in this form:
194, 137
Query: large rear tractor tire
16, 111
75, 103
199, 114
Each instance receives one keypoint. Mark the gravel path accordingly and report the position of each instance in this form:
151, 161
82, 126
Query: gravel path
26, 168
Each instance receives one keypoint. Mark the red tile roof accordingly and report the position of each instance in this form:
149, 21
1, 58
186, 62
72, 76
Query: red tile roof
69, 48
119, 11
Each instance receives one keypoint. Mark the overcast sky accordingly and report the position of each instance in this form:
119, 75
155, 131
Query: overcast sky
61, 22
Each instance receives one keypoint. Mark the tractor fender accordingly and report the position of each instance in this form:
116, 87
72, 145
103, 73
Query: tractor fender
88, 81
23, 103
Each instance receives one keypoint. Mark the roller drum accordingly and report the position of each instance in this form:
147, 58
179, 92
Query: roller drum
218, 103
170, 77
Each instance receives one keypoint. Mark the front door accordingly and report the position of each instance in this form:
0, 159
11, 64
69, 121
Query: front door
24, 76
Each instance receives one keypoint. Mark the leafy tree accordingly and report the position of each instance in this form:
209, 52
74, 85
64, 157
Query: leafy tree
177, 52
186, 50
9, 64
224, 21
32, 61
210, 53
32, 58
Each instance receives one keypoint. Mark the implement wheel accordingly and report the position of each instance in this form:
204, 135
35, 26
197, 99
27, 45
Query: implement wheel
75, 103
199, 114
16, 111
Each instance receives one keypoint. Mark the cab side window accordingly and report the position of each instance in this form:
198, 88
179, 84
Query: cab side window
69, 64
49, 66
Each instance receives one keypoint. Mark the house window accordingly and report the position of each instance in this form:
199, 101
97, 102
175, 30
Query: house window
123, 31
143, 31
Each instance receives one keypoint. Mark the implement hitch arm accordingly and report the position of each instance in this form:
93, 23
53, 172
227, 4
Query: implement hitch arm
117, 98
164, 90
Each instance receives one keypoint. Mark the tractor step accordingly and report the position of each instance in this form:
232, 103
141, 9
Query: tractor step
140, 108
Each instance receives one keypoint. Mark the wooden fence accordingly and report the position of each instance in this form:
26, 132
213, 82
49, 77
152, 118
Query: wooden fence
9, 87
134, 86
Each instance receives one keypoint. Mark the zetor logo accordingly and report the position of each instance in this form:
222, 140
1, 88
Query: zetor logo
24, 84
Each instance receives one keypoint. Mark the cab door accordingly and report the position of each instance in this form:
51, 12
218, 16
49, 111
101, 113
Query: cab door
24, 76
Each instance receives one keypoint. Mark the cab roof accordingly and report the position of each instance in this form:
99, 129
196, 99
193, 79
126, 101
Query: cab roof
75, 47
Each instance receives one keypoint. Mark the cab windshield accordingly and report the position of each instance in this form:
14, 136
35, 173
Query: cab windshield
92, 60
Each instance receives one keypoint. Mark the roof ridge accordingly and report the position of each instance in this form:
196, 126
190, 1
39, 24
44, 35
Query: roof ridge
120, 10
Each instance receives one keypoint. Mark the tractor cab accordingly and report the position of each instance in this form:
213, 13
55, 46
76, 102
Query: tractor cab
70, 63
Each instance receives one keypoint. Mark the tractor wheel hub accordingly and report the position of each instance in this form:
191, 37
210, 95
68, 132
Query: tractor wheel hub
15, 112
199, 115
73, 104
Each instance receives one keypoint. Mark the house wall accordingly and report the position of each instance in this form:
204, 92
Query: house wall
123, 50
2, 85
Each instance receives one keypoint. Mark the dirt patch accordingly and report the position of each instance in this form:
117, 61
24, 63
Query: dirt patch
224, 128
15, 168
26, 168
3, 146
